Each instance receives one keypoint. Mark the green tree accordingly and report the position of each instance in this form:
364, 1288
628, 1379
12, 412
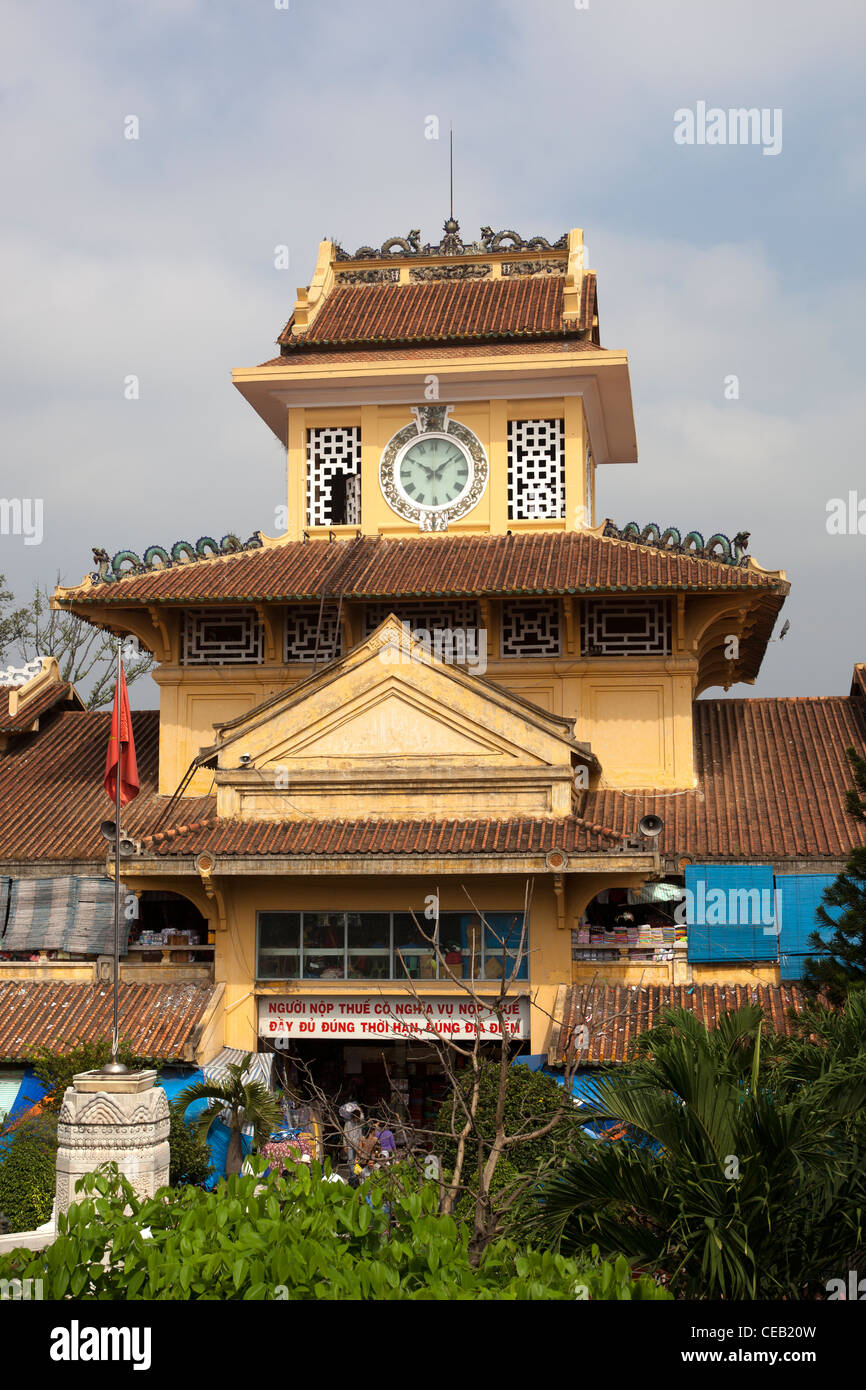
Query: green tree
303, 1238
733, 1186
842, 964
85, 655
27, 1173
532, 1100
248, 1103
190, 1160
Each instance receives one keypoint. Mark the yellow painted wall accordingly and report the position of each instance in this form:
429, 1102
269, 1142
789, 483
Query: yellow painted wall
235, 947
635, 713
488, 419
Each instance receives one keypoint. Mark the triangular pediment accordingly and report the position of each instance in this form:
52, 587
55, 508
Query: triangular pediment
389, 724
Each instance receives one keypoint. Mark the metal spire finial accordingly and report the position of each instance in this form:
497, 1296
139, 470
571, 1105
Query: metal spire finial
451, 140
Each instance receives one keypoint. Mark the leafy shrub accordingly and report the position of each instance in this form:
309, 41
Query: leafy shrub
190, 1160
531, 1099
56, 1069
301, 1238
27, 1174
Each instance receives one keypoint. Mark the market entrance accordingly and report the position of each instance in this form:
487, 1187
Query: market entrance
402, 1084
397, 1081
384, 1054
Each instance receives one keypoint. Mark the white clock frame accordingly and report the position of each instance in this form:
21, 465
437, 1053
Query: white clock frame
433, 518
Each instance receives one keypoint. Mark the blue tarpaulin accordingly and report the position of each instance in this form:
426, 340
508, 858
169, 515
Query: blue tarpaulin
731, 913
800, 897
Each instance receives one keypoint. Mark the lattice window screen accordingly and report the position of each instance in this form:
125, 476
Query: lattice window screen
536, 469
458, 614
221, 636
330, 450
635, 627
531, 627
301, 625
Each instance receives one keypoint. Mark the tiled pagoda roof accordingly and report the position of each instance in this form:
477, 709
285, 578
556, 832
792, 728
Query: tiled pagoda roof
429, 566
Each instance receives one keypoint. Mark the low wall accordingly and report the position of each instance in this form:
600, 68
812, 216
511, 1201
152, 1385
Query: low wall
30, 1240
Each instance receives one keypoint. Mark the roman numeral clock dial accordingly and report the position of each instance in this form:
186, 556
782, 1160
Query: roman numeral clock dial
433, 476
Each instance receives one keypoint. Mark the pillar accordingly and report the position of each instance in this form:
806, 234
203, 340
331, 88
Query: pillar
113, 1119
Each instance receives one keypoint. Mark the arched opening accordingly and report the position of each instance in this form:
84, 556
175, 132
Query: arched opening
170, 928
639, 925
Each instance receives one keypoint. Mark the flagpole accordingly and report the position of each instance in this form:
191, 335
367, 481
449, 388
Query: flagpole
114, 1067
116, 873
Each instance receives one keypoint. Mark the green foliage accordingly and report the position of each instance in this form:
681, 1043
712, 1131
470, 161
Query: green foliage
531, 1099
249, 1103
190, 1156
842, 963
303, 1238
27, 1167
56, 1069
757, 1189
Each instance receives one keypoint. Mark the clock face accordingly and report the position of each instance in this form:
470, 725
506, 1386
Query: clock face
434, 471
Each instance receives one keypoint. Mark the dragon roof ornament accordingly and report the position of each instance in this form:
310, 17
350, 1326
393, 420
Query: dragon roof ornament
125, 562
451, 244
719, 547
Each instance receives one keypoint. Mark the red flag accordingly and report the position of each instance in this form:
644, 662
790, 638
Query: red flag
120, 716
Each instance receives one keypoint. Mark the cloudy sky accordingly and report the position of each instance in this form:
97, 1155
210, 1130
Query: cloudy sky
261, 126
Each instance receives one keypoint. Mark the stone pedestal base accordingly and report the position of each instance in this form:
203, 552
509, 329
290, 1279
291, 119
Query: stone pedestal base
113, 1119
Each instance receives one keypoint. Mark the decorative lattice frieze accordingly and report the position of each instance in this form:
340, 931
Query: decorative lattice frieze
531, 627
536, 469
458, 614
302, 623
333, 475
219, 637
633, 627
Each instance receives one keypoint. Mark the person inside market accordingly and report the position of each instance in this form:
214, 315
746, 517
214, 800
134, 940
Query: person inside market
353, 1131
387, 1142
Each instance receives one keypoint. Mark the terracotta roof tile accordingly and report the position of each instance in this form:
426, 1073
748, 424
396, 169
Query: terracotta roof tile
159, 1020
562, 562
515, 307
51, 789
616, 1015
52, 694
385, 837
772, 776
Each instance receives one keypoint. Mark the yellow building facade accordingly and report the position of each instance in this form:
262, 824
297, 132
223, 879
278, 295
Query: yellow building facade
416, 691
